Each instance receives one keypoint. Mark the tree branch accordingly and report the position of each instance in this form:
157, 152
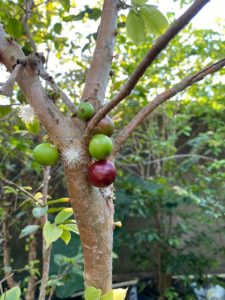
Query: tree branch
68, 102
159, 45
28, 9
29, 4
59, 127
21, 190
32, 256
7, 87
7, 250
144, 112
46, 253
99, 72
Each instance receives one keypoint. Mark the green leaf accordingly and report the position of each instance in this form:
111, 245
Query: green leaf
55, 209
28, 230
119, 294
135, 27
38, 212
12, 294
91, 293
70, 227
63, 215
94, 14
66, 4
9, 190
66, 236
14, 28
138, 2
57, 28
108, 296
60, 200
4, 110
51, 233
155, 21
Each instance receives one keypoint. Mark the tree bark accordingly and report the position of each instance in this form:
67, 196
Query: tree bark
6, 249
32, 255
46, 253
99, 72
94, 216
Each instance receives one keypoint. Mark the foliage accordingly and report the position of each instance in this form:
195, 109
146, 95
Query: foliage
174, 188
175, 192
182, 196
93, 293
12, 294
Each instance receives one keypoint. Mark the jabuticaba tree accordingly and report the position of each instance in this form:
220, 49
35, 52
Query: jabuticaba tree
91, 196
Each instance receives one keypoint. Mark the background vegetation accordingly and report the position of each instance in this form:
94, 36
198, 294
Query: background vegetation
170, 188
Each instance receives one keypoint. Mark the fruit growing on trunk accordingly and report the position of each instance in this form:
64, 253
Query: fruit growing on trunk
105, 126
85, 111
46, 154
102, 173
100, 146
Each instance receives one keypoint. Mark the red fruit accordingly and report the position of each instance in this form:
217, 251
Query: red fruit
105, 126
102, 173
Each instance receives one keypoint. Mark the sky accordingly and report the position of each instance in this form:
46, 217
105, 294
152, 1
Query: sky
205, 19
215, 9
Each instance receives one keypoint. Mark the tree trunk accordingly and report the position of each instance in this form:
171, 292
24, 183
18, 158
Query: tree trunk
6, 249
32, 256
94, 212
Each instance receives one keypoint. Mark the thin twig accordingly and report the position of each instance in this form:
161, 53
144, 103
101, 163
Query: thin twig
21, 190
6, 250
28, 5
160, 44
32, 256
69, 103
46, 253
144, 112
46, 2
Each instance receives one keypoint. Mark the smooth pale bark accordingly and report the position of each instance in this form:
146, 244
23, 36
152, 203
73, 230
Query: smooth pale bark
56, 124
32, 256
93, 208
98, 75
94, 215
6, 250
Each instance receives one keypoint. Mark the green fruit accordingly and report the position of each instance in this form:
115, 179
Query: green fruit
33, 127
85, 111
46, 154
100, 146
20, 97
